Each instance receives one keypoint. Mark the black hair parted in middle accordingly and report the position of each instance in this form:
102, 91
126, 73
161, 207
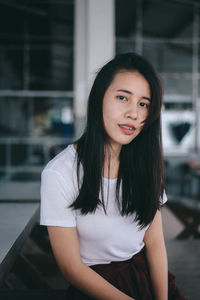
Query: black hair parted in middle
141, 162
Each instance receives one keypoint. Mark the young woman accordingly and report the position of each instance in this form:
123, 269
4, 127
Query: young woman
101, 196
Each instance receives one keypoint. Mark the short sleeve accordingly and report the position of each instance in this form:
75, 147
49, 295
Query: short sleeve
164, 198
56, 197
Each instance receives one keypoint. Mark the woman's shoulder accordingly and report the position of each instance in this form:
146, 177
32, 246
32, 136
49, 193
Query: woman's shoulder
62, 162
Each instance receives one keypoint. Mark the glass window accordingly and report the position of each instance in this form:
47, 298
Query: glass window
177, 86
168, 56
167, 19
36, 87
36, 49
167, 33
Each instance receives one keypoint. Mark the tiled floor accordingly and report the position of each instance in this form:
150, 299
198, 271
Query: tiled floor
183, 257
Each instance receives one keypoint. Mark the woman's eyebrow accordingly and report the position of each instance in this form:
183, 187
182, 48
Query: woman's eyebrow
125, 91
147, 98
129, 92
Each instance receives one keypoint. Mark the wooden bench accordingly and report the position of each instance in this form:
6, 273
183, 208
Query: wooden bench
27, 267
16, 223
187, 210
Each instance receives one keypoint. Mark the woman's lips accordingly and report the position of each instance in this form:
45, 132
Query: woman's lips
127, 129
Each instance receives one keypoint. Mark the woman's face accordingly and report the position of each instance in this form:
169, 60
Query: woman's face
125, 107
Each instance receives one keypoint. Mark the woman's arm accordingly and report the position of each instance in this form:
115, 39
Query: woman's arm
65, 245
157, 257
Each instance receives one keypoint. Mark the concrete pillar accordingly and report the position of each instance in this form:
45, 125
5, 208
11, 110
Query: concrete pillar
94, 45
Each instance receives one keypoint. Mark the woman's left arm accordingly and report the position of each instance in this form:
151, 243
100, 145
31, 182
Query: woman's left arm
157, 257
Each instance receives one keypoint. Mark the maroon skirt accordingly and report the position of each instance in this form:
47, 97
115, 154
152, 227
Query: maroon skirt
131, 277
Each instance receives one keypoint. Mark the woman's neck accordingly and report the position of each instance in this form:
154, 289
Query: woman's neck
112, 151
111, 162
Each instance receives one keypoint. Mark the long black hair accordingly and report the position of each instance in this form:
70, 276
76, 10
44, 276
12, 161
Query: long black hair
141, 164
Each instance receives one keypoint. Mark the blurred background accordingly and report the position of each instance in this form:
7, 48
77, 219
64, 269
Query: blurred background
50, 51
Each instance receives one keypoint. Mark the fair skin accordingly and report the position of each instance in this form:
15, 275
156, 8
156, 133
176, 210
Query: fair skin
125, 102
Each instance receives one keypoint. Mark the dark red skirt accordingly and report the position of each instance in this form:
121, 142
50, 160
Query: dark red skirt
131, 277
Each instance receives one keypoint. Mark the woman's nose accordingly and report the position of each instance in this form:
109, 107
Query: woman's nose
132, 112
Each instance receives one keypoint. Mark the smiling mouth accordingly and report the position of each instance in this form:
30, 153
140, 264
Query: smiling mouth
127, 127
128, 130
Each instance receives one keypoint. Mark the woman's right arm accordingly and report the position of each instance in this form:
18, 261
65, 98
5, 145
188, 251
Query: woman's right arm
65, 245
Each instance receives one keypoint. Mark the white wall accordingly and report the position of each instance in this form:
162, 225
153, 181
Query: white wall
94, 46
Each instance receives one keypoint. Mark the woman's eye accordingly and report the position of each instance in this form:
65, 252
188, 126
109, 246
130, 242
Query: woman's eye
123, 98
143, 104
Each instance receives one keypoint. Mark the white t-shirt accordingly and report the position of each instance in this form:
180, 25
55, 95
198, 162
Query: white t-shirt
102, 237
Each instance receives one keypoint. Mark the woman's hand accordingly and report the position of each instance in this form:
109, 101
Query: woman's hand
65, 245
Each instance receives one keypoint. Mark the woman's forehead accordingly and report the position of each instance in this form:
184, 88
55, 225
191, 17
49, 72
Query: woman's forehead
130, 81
